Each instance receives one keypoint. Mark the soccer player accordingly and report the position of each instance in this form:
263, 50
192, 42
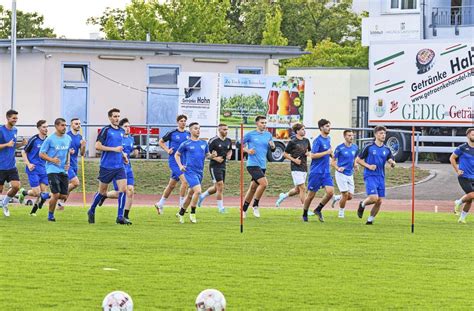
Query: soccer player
78, 145
110, 143
344, 164
55, 151
297, 151
174, 139
8, 170
35, 168
320, 174
195, 151
465, 171
256, 144
129, 150
373, 158
217, 166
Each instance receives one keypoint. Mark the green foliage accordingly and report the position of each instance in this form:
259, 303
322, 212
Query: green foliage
272, 34
29, 25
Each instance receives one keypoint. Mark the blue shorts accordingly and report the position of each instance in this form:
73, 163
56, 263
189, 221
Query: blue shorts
175, 171
130, 180
317, 181
375, 185
36, 179
193, 178
107, 175
72, 173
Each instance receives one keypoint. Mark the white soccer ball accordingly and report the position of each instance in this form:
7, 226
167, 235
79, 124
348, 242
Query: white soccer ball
117, 301
210, 300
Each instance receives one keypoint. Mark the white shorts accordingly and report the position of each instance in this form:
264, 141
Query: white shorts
299, 178
345, 183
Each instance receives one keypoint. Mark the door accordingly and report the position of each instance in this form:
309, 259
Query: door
162, 107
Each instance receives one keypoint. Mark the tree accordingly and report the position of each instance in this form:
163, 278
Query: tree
29, 25
109, 17
272, 34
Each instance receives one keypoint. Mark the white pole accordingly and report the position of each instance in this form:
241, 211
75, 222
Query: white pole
13, 55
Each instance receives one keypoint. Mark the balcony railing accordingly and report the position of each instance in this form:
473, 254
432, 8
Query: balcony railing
453, 16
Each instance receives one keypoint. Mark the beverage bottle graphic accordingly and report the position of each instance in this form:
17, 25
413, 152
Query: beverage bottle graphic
283, 111
272, 99
295, 101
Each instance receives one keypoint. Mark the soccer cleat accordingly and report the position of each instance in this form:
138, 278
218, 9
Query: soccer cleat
305, 218
310, 213
222, 211
6, 212
320, 215
341, 214
21, 196
33, 214
280, 199
90, 217
462, 221
360, 210
52, 219
60, 206
123, 221
180, 218
256, 211
457, 207
200, 199
335, 199
369, 222
102, 200
159, 208
192, 218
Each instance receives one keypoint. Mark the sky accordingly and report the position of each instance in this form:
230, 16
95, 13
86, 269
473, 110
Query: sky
67, 17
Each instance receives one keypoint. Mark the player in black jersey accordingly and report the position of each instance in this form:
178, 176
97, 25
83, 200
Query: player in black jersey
223, 146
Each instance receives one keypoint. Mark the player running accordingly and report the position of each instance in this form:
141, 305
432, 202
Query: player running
35, 168
217, 166
194, 152
320, 174
465, 171
8, 170
297, 152
373, 158
344, 164
256, 144
55, 151
129, 150
110, 143
174, 139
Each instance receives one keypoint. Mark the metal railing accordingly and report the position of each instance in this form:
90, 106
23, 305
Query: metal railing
452, 16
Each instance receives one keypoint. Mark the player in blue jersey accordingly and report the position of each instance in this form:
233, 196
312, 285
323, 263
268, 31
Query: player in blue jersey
78, 147
129, 150
373, 158
256, 145
344, 164
194, 152
465, 171
110, 143
174, 139
319, 173
35, 168
55, 151
8, 170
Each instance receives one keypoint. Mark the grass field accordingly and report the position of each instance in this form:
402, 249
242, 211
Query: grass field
152, 176
279, 263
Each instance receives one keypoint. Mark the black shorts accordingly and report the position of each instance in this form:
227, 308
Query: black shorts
256, 172
9, 175
467, 184
217, 173
58, 183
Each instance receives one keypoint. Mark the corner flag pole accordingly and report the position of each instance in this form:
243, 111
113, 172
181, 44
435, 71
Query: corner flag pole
241, 177
83, 176
413, 179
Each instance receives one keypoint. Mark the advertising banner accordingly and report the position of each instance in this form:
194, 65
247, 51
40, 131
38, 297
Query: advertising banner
429, 83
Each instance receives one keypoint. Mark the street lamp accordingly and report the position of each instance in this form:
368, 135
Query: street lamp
13, 55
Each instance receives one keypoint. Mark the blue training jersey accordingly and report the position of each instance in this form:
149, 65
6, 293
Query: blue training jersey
174, 139
111, 137
56, 147
76, 145
321, 165
466, 160
7, 154
259, 142
32, 151
373, 154
194, 152
127, 144
345, 157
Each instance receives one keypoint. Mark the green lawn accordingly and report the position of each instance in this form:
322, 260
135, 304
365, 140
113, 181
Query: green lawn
279, 263
152, 176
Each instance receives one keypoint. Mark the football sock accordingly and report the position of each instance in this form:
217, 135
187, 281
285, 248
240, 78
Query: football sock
125, 214
246, 206
363, 204
24, 192
121, 204
305, 213
181, 201
220, 204
162, 201
50, 215
463, 215
97, 198
205, 194
34, 209
193, 210
182, 211
6, 200
371, 218
255, 202
319, 208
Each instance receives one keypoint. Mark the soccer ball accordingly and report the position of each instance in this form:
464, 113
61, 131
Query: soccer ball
210, 300
117, 301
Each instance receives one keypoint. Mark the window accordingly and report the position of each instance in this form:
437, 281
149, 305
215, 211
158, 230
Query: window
75, 73
250, 70
403, 4
162, 75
